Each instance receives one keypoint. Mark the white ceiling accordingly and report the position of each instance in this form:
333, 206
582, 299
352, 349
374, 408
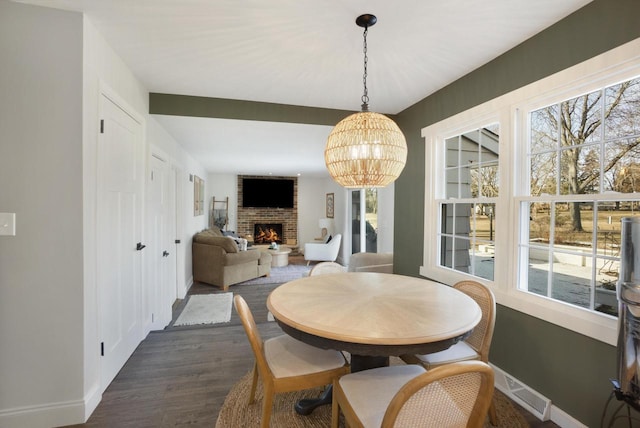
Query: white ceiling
302, 52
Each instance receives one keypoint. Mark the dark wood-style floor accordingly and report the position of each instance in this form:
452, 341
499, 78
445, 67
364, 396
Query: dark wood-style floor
180, 376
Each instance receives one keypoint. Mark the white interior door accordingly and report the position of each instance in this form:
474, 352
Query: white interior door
161, 285
119, 236
180, 218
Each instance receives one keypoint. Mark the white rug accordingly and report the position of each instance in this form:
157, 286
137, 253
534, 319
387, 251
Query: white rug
280, 274
206, 309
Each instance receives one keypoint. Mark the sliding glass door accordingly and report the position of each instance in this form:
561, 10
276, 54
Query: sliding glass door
364, 221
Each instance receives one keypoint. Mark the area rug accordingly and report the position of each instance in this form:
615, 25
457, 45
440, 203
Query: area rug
280, 274
206, 309
235, 411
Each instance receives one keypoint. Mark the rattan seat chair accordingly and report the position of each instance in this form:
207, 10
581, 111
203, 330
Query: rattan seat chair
450, 396
474, 347
285, 364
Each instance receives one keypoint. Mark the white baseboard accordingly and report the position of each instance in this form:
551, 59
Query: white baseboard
91, 400
44, 416
51, 415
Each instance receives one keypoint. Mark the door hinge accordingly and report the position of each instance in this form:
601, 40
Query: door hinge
102, 126
102, 349
177, 241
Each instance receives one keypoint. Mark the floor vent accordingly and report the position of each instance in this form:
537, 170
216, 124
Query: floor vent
537, 404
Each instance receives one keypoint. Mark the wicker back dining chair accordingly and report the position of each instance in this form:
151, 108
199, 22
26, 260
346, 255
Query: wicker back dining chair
285, 364
453, 395
474, 347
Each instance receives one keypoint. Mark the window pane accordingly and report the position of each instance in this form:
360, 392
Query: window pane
608, 232
451, 145
580, 119
622, 106
606, 280
483, 260
574, 224
447, 219
489, 180
538, 272
622, 162
463, 219
462, 258
465, 182
371, 217
489, 143
544, 174
446, 252
570, 280
469, 148
580, 170
484, 224
544, 129
539, 222
451, 189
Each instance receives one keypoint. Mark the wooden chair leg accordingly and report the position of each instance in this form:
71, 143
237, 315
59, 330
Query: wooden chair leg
335, 410
493, 417
267, 403
254, 384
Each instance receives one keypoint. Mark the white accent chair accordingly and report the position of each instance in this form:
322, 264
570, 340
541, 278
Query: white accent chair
322, 252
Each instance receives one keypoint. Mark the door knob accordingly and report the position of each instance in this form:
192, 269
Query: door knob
165, 253
139, 246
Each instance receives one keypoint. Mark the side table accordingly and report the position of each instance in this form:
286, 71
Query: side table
280, 257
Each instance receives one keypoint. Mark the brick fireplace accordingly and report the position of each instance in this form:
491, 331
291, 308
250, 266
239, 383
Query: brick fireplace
287, 217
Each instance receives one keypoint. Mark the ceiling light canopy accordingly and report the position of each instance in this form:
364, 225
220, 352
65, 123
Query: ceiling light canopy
365, 149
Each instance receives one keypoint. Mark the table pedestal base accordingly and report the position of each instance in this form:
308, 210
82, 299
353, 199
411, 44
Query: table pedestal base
305, 406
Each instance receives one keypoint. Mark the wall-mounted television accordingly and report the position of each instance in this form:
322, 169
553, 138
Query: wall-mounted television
267, 193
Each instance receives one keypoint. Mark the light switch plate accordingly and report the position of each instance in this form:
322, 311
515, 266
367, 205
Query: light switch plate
8, 224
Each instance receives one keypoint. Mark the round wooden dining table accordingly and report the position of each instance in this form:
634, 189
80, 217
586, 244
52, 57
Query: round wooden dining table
372, 316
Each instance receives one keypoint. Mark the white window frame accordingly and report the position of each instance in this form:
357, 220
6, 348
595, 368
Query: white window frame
510, 111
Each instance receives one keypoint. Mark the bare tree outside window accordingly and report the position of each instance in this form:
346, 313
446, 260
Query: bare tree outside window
588, 145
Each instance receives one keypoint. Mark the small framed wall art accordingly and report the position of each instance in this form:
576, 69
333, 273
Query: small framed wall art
198, 196
330, 205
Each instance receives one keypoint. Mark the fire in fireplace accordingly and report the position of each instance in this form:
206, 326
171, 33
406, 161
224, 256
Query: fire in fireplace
266, 233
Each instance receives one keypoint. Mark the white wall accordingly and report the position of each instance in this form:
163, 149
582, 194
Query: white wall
41, 271
222, 186
385, 218
55, 64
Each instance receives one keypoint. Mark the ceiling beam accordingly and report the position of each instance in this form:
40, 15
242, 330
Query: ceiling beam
186, 105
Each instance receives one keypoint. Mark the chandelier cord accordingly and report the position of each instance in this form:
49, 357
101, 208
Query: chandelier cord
365, 95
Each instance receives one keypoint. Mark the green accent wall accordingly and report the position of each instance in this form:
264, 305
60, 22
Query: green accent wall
569, 368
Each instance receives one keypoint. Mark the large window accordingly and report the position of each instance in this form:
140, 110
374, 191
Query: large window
584, 168
467, 211
525, 193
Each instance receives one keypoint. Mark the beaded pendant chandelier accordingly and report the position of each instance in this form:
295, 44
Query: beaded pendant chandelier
365, 149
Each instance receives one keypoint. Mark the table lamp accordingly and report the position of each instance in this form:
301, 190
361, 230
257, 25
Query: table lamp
325, 224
